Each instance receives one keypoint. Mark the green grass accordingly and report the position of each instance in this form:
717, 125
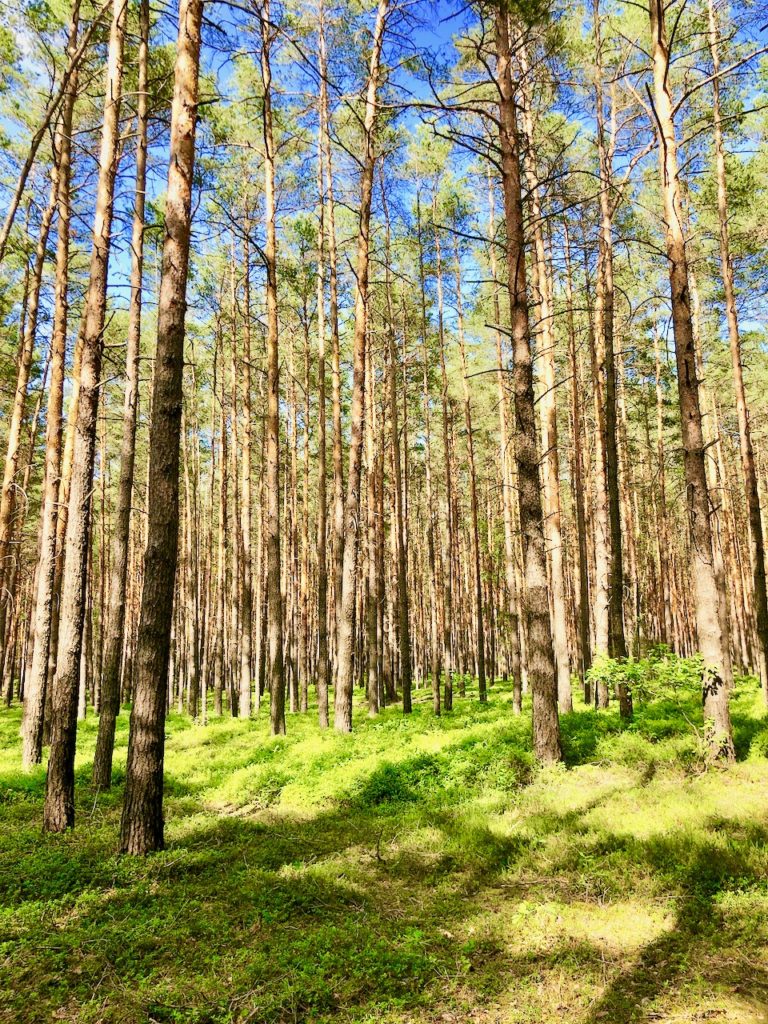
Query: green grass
419, 870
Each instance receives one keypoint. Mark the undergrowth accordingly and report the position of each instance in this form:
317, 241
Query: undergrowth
417, 870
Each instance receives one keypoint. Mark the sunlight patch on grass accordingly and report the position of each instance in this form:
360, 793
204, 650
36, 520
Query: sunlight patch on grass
419, 871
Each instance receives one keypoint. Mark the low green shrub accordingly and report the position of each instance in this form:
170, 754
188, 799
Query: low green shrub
659, 675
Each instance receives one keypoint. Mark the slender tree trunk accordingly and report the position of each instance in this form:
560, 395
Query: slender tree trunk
221, 562
756, 540
548, 413
59, 812
434, 639
304, 567
473, 502
399, 488
604, 328
371, 587
710, 642
246, 599
329, 211
578, 472
28, 336
274, 596
323, 663
666, 618
115, 633
142, 821
504, 461
36, 681
345, 641
541, 668
447, 604
189, 583
66, 87
24, 598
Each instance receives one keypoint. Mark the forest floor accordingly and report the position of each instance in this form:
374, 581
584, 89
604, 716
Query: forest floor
418, 870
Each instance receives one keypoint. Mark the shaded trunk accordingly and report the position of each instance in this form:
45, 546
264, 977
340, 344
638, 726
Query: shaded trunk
59, 812
548, 414
246, 593
746, 449
115, 632
26, 353
604, 329
710, 641
473, 503
36, 681
541, 668
142, 820
323, 662
276, 678
585, 654
346, 632
449, 546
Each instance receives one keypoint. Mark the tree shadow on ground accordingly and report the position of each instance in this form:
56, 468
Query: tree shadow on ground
278, 918
360, 911
704, 942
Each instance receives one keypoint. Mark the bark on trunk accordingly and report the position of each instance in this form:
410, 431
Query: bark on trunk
548, 413
323, 662
756, 540
604, 328
585, 654
35, 683
345, 626
59, 812
541, 668
115, 631
710, 641
473, 502
142, 820
276, 677
29, 334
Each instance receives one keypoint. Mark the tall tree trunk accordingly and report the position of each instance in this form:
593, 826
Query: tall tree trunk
665, 618
59, 812
142, 820
371, 583
115, 632
219, 670
434, 639
604, 329
345, 641
276, 675
710, 642
756, 540
323, 663
66, 87
399, 487
246, 599
26, 353
59, 803
585, 653
329, 211
505, 461
304, 566
447, 602
548, 413
24, 598
35, 684
541, 668
473, 502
